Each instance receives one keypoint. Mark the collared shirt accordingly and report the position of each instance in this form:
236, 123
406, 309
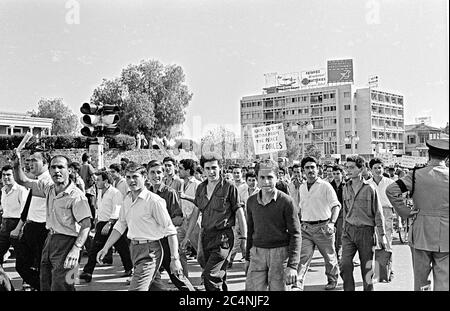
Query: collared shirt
294, 193
364, 207
175, 183
219, 211
146, 217
109, 203
316, 203
171, 197
430, 230
381, 188
245, 192
86, 172
338, 190
14, 201
64, 209
122, 186
273, 225
38, 205
189, 189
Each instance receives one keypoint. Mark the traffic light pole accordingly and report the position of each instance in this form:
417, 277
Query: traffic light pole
96, 152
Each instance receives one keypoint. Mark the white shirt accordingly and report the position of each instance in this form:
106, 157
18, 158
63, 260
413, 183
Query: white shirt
122, 186
38, 205
146, 217
381, 189
316, 203
294, 193
244, 194
109, 204
14, 201
189, 189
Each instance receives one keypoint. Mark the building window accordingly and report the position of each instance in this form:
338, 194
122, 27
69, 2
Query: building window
333, 108
332, 95
347, 120
346, 94
355, 108
306, 110
325, 96
299, 111
348, 146
346, 107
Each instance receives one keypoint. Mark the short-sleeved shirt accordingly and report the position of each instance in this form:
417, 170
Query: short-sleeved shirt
316, 203
146, 217
171, 197
219, 211
109, 204
63, 209
14, 201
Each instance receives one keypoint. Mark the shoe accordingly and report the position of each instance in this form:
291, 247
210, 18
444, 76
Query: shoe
296, 289
85, 276
27, 288
331, 285
127, 273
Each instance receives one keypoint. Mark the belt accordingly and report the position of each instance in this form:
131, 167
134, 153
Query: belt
137, 242
34, 222
51, 231
314, 222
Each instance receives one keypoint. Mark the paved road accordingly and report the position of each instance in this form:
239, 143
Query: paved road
108, 278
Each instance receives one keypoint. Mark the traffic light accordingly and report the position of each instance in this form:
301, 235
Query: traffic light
99, 120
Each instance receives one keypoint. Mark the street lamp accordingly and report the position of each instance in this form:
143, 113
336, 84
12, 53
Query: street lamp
350, 139
303, 127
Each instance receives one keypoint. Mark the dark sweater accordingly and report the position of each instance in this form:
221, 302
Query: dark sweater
274, 225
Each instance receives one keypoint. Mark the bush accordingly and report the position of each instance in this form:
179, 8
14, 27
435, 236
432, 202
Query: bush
123, 142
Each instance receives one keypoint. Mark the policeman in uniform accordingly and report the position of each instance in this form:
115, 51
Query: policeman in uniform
429, 234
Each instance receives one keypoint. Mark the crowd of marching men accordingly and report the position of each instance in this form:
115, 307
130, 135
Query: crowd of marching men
156, 214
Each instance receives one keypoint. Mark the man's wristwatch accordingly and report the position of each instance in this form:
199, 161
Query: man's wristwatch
78, 246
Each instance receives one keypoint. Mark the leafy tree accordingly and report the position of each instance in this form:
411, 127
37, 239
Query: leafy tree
219, 140
311, 150
64, 120
292, 147
152, 98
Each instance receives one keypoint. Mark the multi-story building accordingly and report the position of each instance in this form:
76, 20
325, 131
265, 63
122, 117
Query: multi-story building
416, 137
18, 123
365, 121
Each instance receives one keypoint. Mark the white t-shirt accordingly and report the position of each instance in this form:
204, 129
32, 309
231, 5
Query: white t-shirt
316, 203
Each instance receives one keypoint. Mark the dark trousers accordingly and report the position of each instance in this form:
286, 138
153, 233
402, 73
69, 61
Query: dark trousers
180, 281
91, 202
97, 244
54, 277
217, 246
338, 238
29, 252
361, 239
8, 225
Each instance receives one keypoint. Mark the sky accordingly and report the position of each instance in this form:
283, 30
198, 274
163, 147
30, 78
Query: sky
53, 48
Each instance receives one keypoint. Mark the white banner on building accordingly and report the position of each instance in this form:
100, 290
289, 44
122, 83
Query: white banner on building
268, 139
313, 77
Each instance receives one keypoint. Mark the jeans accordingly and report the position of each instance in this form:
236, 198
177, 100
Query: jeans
361, 239
54, 277
97, 244
266, 270
29, 252
217, 246
147, 260
180, 281
312, 236
426, 261
7, 225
